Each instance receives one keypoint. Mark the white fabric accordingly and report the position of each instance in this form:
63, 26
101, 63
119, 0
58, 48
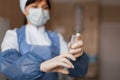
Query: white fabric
34, 36
22, 5
63, 44
10, 41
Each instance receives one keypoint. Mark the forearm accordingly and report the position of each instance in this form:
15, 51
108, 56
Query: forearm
17, 67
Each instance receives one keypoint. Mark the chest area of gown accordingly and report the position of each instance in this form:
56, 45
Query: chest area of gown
45, 52
37, 38
41, 44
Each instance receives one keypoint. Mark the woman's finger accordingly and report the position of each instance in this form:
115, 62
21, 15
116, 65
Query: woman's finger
78, 54
68, 56
63, 71
62, 64
67, 62
77, 44
79, 37
74, 51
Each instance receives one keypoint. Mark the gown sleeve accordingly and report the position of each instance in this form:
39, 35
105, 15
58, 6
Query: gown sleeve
17, 67
81, 66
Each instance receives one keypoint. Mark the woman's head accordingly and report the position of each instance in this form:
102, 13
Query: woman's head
35, 1
26, 3
36, 11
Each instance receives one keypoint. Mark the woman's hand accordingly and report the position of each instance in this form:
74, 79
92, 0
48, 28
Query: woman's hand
76, 48
57, 64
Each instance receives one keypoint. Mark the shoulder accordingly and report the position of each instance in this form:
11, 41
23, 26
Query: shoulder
9, 40
20, 30
57, 34
53, 34
10, 33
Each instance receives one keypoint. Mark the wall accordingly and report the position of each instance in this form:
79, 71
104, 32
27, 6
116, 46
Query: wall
10, 16
110, 14
10, 10
109, 43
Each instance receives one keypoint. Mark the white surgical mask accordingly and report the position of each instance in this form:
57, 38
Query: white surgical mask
38, 16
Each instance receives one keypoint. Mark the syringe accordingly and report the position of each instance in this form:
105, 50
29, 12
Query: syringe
74, 38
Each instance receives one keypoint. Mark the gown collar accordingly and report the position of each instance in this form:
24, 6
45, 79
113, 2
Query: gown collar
41, 29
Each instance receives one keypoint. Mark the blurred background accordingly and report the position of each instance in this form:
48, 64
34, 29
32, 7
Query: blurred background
97, 20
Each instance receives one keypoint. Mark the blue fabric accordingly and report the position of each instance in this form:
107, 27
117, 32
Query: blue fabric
17, 67
81, 66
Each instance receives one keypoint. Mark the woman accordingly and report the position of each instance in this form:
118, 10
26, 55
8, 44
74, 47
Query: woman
34, 53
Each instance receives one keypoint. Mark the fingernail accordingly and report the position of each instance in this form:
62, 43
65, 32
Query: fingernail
73, 67
74, 59
72, 46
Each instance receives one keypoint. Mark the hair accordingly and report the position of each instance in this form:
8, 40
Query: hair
33, 1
